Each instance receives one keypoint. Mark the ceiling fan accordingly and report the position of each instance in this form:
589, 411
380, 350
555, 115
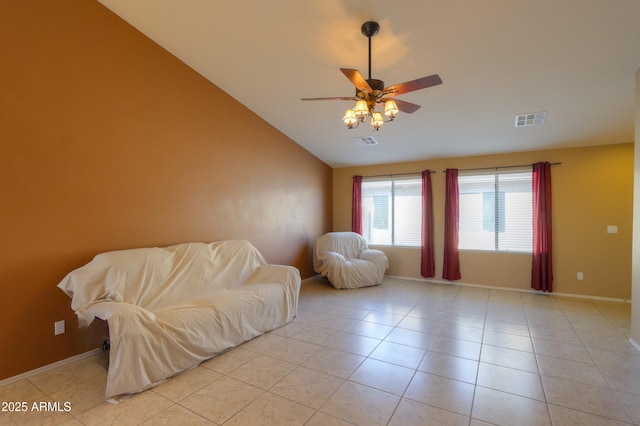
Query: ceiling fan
370, 92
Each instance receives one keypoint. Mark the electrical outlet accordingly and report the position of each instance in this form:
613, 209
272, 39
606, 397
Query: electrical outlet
580, 276
59, 327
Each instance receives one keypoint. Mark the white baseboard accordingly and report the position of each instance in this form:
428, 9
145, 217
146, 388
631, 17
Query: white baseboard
578, 296
634, 344
49, 367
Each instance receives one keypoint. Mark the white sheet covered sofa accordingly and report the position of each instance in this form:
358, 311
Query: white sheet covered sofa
168, 309
347, 262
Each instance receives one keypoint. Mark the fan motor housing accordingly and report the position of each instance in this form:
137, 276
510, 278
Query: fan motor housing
377, 86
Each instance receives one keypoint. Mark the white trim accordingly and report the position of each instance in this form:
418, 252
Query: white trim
50, 367
578, 296
634, 344
599, 298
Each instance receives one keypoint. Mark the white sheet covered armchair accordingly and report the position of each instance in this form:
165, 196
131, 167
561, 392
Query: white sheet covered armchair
347, 262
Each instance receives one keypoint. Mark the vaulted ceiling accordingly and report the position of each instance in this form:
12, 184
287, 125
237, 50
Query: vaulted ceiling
574, 59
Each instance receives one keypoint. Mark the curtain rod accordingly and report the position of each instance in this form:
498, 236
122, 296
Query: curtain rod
398, 174
461, 170
502, 167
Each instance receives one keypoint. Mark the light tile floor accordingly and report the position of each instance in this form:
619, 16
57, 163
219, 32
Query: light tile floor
403, 353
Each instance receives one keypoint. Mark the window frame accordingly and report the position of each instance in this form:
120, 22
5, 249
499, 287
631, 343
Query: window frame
394, 234
499, 194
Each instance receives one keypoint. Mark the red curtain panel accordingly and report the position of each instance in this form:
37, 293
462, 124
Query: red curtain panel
541, 267
356, 205
451, 267
427, 261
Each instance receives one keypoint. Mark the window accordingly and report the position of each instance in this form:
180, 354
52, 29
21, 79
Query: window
392, 211
496, 211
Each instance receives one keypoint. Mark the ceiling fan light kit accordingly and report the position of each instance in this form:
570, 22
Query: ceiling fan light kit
370, 92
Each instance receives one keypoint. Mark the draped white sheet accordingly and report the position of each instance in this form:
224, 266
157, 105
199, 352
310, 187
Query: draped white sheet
347, 262
168, 309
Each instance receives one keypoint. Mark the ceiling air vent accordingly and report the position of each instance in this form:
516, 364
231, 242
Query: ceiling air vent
531, 119
366, 141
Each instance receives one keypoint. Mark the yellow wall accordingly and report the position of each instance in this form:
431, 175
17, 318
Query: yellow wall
109, 142
592, 188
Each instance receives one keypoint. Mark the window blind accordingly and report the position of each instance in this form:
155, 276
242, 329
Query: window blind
392, 211
496, 211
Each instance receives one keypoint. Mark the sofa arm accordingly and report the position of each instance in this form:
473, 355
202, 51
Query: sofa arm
374, 256
285, 277
331, 257
106, 309
379, 258
268, 274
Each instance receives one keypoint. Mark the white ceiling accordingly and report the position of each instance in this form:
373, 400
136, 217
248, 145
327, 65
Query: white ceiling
575, 59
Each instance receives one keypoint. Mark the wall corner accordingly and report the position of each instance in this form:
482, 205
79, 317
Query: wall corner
635, 259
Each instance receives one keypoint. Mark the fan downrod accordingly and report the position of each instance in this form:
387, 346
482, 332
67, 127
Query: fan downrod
369, 29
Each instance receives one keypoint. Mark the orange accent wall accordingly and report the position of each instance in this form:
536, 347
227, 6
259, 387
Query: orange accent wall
110, 142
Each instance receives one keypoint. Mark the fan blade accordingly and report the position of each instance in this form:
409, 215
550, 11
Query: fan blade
342, 98
357, 79
410, 86
403, 106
